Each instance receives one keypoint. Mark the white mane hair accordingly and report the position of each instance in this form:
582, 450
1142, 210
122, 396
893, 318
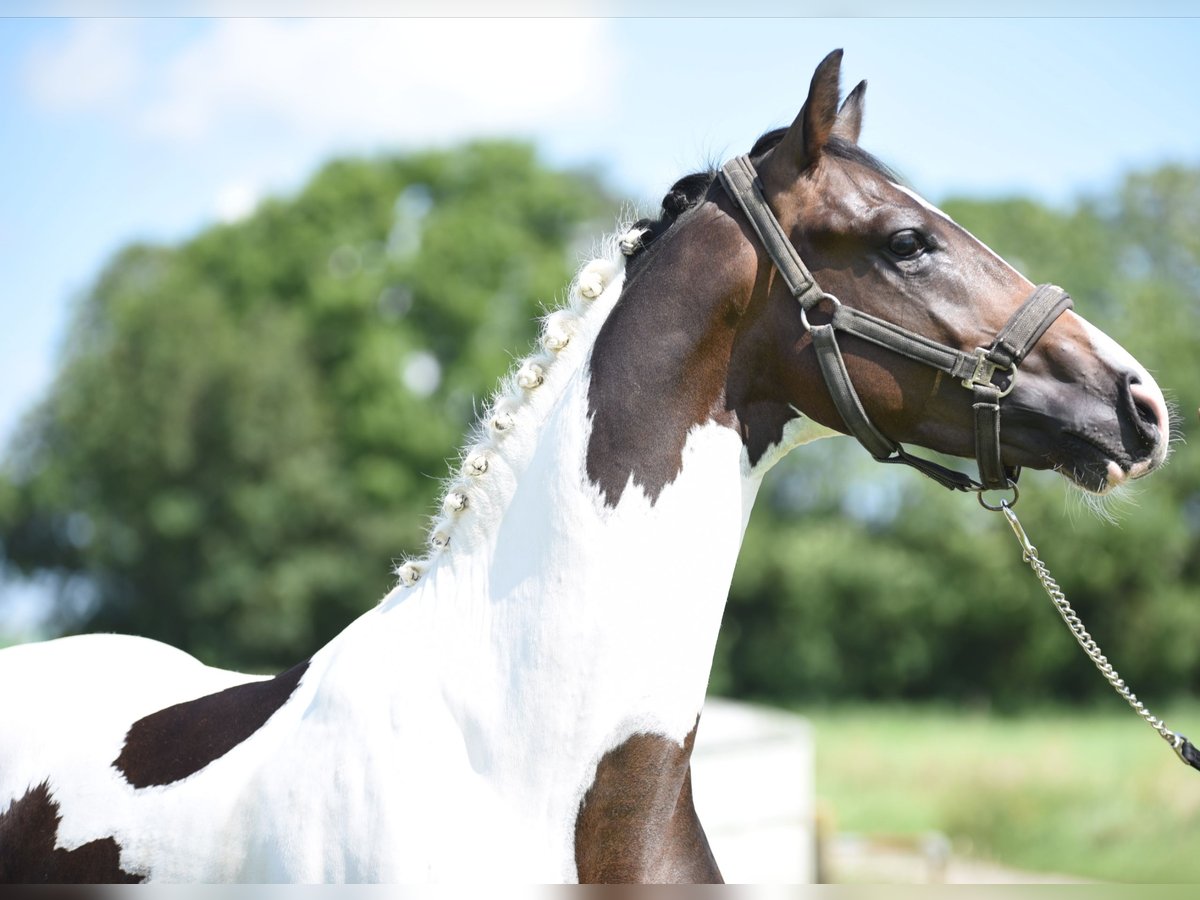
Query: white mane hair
503, 439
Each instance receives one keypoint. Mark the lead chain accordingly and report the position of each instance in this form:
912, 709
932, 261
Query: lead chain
1029, 554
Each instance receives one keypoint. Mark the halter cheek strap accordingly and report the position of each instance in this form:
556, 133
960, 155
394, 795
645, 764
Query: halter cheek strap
1015, 340
974, 370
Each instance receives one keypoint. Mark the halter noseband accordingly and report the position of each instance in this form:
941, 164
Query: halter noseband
974, 370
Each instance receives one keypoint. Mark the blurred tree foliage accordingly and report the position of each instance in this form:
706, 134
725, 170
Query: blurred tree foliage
247, 427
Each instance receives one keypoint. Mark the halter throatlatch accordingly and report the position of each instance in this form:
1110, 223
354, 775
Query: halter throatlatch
975, 371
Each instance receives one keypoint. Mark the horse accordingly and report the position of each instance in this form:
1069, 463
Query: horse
523, 704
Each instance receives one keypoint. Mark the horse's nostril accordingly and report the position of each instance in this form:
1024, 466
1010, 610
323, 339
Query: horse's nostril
1148, 418
1146, 412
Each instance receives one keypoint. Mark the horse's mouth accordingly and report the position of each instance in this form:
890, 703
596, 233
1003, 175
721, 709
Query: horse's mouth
1097, 469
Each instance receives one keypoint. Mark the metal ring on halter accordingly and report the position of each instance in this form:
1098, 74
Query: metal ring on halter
804, 312
1012, 382
1012, 486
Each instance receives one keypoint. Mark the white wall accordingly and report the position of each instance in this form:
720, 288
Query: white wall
752, 777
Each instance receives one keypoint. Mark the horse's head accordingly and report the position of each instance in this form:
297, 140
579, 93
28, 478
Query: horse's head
1081, 404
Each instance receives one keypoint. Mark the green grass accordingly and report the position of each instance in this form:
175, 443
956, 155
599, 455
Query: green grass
1093, 794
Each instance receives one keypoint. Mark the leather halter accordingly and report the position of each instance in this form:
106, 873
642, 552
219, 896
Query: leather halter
974, 370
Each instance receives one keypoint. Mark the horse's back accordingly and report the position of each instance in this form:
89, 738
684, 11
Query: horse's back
66, 706
57, 691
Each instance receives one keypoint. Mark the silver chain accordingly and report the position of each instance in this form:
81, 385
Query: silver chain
1080, 633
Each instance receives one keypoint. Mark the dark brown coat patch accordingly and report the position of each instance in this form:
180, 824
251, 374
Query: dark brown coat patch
698, 335
637, 823
28, 855
658, 364
180, 740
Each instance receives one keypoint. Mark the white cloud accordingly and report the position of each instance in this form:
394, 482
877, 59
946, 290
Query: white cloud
235, 201
336, 81
94, 63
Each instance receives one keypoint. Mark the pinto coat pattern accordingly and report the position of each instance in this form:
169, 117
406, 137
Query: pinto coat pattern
522, 706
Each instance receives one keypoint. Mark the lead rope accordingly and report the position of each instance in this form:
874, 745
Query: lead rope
1180, 744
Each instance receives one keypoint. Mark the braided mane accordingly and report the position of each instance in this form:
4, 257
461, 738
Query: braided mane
498, 450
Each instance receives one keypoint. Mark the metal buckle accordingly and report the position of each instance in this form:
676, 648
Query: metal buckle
985, 369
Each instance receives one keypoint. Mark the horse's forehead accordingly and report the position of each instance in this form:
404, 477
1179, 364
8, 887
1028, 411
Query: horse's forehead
852, 189
922, 202
843, 195
959, 230
855, 191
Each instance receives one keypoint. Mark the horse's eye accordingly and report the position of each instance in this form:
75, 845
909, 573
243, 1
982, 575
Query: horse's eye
906, 244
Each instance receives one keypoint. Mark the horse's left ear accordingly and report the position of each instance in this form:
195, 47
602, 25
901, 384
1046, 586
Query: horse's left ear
849, 118
807, 136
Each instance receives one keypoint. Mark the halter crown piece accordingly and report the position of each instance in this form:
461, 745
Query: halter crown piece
974, 370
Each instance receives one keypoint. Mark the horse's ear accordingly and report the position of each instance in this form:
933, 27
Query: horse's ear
849, 118
806, 137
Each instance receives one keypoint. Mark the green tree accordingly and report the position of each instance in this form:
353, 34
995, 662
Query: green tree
247, 427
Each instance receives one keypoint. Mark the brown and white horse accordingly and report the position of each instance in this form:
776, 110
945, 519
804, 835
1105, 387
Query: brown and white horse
523, 705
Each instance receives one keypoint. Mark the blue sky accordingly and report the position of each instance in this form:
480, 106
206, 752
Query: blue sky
114, 130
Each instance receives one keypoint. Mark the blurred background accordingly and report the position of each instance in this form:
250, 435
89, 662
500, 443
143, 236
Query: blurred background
258, 272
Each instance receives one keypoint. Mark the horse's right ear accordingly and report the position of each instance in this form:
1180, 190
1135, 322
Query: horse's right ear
807, 136
850, 116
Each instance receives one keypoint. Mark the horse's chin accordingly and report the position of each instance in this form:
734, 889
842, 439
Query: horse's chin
1099, 466
1096, 477
1108, 503
1101, 478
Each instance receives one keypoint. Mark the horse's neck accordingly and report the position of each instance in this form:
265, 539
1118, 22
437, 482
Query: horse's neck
564, 617
601, 619
618, 606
